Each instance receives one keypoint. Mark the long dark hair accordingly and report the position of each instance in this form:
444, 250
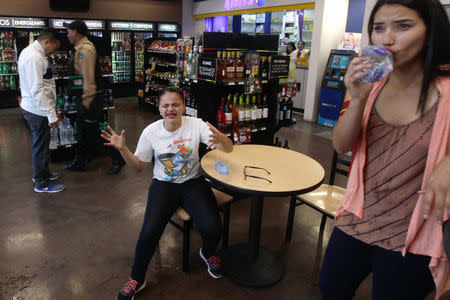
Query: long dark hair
172, 89
293, 47
437, 50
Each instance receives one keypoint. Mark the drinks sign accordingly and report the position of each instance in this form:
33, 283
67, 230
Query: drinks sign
137, 26
91, 24
6, 22
233, 4
207, 68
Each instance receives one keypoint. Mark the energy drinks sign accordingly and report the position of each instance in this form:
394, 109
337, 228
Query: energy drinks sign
10, 22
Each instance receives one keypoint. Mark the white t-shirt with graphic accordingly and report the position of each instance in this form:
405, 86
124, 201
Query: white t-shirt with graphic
176, 153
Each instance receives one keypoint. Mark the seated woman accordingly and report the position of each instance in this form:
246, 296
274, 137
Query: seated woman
173, 142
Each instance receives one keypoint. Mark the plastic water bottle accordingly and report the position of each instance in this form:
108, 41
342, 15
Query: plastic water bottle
53, 138
63, 134
381, 61
70, 133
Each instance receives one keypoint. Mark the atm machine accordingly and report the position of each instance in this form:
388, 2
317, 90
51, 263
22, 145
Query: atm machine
332, 91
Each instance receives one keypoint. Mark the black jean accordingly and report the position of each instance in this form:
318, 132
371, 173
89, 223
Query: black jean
348, 261
40, 153
88, 133
197, 198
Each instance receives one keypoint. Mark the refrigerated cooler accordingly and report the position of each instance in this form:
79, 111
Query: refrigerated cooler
15, 35
127, 52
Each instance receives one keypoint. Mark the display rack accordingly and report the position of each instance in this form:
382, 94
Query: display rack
9, 78
160, 63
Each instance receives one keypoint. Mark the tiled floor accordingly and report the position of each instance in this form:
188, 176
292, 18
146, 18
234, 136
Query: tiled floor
79, 244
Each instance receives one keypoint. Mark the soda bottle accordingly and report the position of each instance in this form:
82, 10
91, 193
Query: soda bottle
12, 81
381, 61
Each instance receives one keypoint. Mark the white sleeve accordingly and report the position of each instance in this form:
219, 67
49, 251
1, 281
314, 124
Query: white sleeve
35, 74
205, 132
144, 149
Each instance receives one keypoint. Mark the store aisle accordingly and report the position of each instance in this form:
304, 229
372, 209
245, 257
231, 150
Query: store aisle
79, 244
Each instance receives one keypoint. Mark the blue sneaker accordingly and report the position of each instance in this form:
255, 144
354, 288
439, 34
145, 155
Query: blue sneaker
51, 188
131, 288
53, 176
214, 264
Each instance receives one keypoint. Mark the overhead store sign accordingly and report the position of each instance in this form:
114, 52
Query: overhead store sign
6, 22
136, 26
91, 24
168, 27
233, 4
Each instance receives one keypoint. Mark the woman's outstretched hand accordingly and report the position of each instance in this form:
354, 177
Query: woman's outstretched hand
114, 140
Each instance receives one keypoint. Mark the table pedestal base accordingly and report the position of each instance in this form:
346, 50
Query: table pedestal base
265, 270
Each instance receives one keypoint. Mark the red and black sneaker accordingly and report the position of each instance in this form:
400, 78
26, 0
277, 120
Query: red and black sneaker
214, 264
131, 288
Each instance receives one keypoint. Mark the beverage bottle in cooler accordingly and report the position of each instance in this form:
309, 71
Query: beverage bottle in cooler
195, 63
53, 138
3, 83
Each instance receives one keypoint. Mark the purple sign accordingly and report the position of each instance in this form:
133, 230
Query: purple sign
216, 24
231, 4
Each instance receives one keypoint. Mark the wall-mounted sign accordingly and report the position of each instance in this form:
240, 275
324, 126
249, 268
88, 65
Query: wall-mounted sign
168, 27
91, 24
6, 22
233, 4
136, 26
143, 26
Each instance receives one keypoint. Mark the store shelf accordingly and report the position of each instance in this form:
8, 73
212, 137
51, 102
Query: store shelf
66, 146
107, 75
121, 61
9, 74
8, 62
166, 65
304, 30
60, 77
129, 71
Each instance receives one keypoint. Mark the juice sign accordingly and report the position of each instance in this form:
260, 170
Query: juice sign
231, 4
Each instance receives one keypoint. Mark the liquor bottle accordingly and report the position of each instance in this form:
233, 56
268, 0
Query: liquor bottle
230, 67
282, 110
248, 111
220, 116
263, 66
286, 144
241, 110
276, 141
239, 65
248, 65
289, 106
254, 115
228, 112
265, 109
235, 111
219, 66
260, 111
195, 63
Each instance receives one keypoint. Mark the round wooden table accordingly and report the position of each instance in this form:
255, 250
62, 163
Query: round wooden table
260, 171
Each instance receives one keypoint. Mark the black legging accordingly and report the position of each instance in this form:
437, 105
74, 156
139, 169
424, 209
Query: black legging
196, 197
